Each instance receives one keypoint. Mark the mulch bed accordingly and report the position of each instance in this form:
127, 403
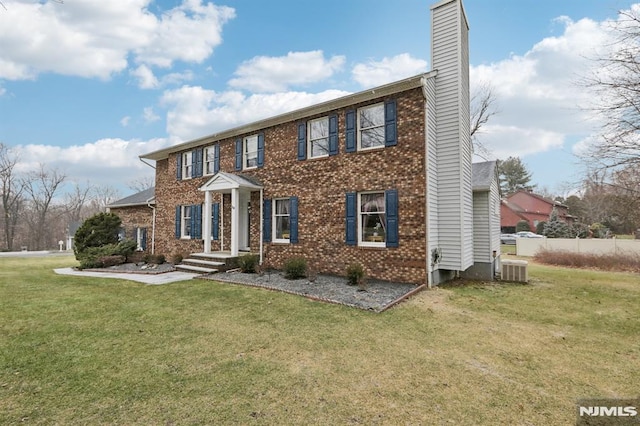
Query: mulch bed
378, 296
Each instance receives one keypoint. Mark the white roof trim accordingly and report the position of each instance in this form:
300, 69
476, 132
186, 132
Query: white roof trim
225, 182
364, 96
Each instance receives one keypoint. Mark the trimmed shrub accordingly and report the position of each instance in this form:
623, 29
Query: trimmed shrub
540, 227
157, 259
91, 256
355, 275
295, 267
112, 260
249, 263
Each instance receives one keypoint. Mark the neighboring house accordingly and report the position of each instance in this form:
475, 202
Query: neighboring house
525, 205
382, 177
486, 220
137, 213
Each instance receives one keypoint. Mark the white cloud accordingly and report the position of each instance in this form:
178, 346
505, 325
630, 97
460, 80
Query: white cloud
388, 70
125, 121
149, 115
540, 100
195, 111
95, 38
277, 74
146, 79
88, 162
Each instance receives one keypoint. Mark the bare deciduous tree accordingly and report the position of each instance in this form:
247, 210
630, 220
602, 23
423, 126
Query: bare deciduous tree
616, 100
141, 183
12, 188
41, 186
483, 107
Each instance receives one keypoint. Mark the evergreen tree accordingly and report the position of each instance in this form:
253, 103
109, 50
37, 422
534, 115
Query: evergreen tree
97, 231
555, 228
513, 175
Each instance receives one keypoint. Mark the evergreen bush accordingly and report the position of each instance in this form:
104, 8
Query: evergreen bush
248, 263
295, 267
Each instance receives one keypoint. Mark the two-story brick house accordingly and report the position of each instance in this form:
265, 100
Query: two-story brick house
524, 205
381, 177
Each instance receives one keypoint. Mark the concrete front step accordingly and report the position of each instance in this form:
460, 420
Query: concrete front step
204, 263
197, 269
208, 263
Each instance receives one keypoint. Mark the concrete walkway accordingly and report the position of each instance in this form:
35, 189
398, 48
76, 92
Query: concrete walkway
151, 279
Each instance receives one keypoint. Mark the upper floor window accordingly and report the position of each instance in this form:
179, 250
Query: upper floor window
319, 138
187, 165
250, 152
212, 159
371, 129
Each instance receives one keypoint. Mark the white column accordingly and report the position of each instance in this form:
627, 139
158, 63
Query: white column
235, 220
206, 225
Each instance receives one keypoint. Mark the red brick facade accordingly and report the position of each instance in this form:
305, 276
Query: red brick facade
321, 186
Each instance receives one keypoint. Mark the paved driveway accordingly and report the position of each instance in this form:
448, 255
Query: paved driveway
153, 279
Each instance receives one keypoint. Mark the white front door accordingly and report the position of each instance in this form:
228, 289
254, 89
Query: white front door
244, 224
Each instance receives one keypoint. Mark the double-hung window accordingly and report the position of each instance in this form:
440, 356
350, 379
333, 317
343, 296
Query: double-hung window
371, 127
372, 220
281, 220
250, 152
210, 161
186, 222
319, 138
187, 165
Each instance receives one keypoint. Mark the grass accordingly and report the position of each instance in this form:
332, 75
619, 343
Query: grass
76, 350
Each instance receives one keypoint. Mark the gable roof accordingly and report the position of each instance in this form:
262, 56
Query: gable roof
321, 108
482, 175
142, 198
538, 197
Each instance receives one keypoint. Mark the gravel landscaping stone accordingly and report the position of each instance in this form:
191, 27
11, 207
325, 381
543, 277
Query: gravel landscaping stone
378, 296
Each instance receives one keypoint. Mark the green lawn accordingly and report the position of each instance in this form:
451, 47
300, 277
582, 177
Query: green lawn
77, 350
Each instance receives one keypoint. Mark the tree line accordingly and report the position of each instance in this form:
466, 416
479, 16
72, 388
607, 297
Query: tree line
39, 205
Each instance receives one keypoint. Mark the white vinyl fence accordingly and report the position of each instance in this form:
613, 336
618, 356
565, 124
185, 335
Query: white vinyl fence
530, 246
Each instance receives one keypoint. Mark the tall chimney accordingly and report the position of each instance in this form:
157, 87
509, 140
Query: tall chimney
450, 57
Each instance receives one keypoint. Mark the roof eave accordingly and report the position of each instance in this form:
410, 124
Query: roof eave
376, 92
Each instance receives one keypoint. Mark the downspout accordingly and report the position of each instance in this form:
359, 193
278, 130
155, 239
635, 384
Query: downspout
153, 225
261, 221
153, 219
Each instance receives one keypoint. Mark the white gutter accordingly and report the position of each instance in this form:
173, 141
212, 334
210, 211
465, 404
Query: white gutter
153, 224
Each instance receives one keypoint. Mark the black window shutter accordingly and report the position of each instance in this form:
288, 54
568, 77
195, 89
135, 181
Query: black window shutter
178, 219
143, 238
196, 161
260, 149
350, 128
351, 219
391, 211
266, 220
238, 154
196, 221
293, 220
216, 158
179, 166
333, 134
215, 221
390, 126
302, 141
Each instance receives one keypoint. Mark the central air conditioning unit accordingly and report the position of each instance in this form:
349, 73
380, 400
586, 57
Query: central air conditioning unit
515, 271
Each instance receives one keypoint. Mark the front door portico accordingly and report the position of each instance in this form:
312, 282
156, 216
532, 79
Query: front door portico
240, 188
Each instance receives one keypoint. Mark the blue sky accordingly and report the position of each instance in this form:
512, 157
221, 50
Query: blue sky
88, 85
